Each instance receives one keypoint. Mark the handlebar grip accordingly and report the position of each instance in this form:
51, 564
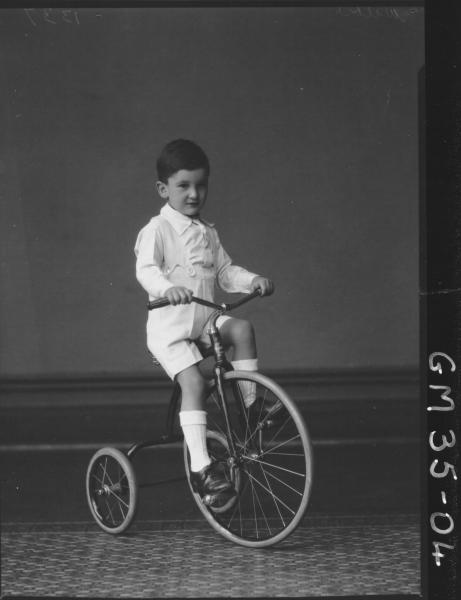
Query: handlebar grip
243, 300
157, 303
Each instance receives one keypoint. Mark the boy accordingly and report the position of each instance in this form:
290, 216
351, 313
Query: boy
180, 255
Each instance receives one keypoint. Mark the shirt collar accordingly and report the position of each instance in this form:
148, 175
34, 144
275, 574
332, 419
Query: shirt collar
179, 221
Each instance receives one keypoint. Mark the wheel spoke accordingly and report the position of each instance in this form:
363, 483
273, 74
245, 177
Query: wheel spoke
254, 508
282, 453
266, 464
104, 468
121, 509
238, 504
269, 491
213, 422
270, 468
262, 422
273, 495
280, 429
284, 443
111, 490
261, 509
285, 483
252, 434
110, 511
94, 476
106, 473
121, 501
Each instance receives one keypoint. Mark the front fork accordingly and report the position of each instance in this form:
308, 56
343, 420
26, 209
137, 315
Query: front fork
221, 366
219, 378
252, 439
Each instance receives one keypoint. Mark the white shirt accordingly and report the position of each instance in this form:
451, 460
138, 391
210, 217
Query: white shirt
175, 250
192, 244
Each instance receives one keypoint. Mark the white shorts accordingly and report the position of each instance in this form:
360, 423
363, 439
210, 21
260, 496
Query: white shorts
176, 356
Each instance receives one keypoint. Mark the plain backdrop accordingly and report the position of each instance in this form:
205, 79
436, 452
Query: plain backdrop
310, 119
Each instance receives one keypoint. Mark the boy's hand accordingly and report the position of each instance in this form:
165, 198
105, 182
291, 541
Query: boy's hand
179, 295
265, 286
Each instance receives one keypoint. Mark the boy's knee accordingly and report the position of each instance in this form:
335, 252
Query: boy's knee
243, 331
192, 381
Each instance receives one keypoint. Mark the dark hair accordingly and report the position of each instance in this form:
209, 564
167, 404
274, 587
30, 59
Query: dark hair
181, 154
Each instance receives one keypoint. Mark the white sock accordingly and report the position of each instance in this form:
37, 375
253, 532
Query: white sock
248, 388
193, 424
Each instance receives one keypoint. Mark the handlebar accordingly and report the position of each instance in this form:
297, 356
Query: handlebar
161, 302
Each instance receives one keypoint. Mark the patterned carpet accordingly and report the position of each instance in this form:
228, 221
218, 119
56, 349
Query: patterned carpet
326, 556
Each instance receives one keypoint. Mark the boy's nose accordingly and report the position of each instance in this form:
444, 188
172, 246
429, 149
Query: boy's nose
192, 193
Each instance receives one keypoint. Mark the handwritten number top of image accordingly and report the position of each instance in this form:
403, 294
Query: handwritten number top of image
53, 16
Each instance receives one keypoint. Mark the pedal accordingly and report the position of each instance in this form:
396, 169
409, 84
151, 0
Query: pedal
220, 503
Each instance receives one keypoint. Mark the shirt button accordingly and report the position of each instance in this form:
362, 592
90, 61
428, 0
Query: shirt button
190, 271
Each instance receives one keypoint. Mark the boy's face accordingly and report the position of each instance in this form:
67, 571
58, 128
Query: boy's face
186, 191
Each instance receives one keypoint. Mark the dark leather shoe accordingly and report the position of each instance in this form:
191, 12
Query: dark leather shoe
212, 485
263, 414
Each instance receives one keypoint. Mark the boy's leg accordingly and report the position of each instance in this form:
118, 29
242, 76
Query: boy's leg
239, 334
192, 417
206, 476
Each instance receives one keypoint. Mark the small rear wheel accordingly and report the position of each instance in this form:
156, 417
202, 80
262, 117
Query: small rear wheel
273, 465
111, 490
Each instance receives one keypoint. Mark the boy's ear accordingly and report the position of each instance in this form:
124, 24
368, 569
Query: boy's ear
162, 189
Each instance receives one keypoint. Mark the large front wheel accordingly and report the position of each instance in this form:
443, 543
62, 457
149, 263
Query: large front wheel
271, 469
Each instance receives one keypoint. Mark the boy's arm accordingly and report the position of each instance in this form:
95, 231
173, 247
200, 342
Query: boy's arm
232, 278
149, 258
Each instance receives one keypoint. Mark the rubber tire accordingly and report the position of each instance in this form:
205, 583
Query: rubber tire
126, 466
302, 428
